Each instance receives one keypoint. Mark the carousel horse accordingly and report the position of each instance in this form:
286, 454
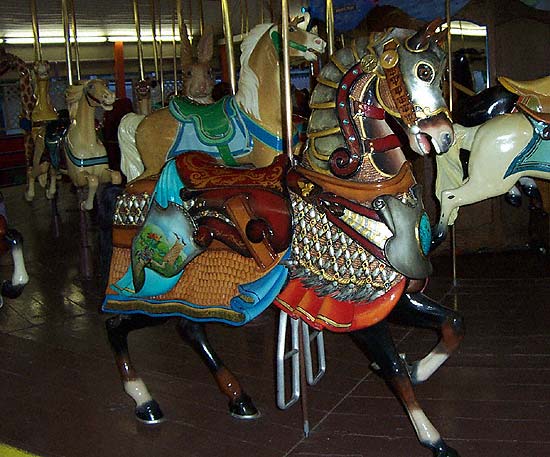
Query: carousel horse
86, 157
339, 241
11, 240
244, 129
198, 83
503, 150
44, 166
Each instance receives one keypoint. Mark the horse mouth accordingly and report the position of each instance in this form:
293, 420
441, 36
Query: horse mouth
425, 144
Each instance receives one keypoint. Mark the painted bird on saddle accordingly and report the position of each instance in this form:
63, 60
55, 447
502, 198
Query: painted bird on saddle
339, 241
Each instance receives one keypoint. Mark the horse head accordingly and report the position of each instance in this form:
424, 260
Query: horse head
411, 66
42, 69
198, 77
97, 94
303, 43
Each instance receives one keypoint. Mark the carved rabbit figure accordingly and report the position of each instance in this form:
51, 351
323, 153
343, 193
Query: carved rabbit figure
198, 77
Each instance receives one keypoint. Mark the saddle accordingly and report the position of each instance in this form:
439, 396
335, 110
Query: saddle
534, 96
254, 200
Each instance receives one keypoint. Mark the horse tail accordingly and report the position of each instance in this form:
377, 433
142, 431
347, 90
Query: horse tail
131, 164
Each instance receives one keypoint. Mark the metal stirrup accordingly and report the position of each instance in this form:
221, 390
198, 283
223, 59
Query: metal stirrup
294, 355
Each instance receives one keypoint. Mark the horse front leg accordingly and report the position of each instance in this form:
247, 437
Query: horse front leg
418, 310
92, 185
52, 187
111, 176
376, 342
147, 409
240, 404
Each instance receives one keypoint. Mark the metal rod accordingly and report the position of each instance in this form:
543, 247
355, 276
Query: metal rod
303, 385
161, 58
35, 32
139, 44
75, 43
330, 26
154, 33
450, 63
287, 105
246, 21
201, 16
68, 57
175, 52
229, 46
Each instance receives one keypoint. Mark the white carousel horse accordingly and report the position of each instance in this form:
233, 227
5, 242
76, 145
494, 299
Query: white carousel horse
257, 103
503, 150
87, 162
198, 83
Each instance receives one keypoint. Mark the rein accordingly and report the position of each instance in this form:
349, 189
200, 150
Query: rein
91, 97
277, 40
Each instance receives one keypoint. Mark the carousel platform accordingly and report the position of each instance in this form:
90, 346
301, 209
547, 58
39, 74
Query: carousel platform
61, 396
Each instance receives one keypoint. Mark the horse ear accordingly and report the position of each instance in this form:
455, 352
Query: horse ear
186, 50
205, 49
421, 39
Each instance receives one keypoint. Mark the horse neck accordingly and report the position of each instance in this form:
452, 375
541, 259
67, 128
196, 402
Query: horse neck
83, 124
264, 62
144, 105
43, 109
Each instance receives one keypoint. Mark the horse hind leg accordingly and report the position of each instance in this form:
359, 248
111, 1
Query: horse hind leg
376, 342
418, 310
147, 409
52, 186
240, 404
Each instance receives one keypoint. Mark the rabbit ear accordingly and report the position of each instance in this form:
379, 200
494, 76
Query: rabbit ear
205, 49
186, 50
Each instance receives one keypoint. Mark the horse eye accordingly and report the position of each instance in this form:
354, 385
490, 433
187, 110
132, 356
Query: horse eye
291, 28
425, 72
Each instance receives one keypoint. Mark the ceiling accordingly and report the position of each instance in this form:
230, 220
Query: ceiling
116, 17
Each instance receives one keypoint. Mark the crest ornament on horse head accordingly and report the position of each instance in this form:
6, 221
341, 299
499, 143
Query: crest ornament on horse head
339, 241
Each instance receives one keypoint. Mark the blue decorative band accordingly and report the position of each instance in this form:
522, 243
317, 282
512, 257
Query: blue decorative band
86, 162
269, 139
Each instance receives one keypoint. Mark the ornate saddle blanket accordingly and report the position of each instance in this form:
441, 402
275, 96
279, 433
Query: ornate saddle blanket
218, 129
201, 245
536, 155
534, 96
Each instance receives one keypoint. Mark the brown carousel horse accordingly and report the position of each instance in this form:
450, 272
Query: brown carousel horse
244, 129
339, 241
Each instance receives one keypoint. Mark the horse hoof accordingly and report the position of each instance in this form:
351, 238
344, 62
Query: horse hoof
29, 197
513, 199
149, 413
243, 408
442, 450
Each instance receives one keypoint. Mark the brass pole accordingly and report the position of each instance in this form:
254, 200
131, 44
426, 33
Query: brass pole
246, 21
139, 44
229, 45
75, 44
287, 105
68, 57
35, 32
330, 26
201, 14
154, 33
175, 52
161, 58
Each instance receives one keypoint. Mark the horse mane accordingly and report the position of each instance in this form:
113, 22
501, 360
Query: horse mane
247, 95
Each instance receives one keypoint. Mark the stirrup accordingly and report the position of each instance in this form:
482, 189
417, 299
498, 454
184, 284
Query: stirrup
294, 355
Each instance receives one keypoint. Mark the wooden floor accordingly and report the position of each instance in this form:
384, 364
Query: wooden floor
60, 395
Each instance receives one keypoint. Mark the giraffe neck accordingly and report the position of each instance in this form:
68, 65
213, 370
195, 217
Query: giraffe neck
43, 110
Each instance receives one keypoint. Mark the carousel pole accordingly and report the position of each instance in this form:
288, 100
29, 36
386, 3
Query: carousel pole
229, 45
287, 129
139, 43
161, 57
68, 56
154, 33
330, 26
175, 51
36, 33
201, 18
450, 63
76, 51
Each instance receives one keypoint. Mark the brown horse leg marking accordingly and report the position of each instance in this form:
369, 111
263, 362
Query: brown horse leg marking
418, 310
376, 342
240, 404
118, 327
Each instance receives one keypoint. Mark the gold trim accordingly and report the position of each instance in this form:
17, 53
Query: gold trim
305, 313
381, 101
174, 307
324, 105
338, 64
354, 50
284, 304
331, 322
323, 133
382, 173
327, 82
